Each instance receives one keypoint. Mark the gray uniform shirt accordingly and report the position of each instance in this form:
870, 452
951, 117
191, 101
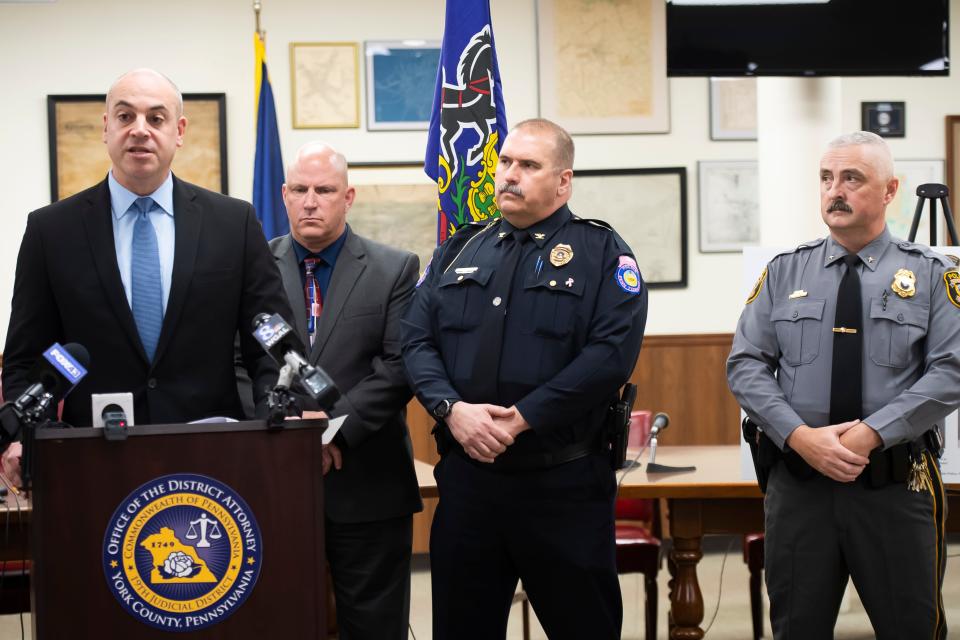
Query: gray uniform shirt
780, 366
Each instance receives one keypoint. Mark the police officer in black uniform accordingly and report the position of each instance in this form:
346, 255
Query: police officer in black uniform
847, 356
518, 338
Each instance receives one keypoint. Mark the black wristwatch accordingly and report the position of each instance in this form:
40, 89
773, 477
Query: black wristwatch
444, 407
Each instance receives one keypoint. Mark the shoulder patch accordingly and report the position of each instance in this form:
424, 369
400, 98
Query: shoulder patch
758, 287
628, 275
952, 281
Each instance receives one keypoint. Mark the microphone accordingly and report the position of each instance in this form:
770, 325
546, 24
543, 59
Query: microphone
280, 341
114, 417
114, 422
660, 422
54, 376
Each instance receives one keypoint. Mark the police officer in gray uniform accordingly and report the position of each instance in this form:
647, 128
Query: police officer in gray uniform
847, 357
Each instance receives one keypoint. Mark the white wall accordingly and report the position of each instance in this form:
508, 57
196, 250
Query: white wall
80, 46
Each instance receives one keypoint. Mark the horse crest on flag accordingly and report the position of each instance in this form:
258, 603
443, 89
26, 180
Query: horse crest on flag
468, 122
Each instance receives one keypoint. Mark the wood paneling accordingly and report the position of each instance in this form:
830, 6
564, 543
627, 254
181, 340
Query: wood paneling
682, 375
685, 376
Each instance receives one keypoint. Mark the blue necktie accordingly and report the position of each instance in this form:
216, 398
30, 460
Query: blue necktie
145, 287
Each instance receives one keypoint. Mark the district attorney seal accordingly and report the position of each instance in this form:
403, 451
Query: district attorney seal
182, 552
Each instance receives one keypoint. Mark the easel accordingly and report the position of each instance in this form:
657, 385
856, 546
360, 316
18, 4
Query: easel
932, 192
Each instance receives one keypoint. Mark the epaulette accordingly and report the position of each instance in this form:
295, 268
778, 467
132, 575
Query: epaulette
591, 221
927, 252
800, 247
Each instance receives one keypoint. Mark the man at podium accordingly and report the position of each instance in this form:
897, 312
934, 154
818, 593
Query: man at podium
154, 276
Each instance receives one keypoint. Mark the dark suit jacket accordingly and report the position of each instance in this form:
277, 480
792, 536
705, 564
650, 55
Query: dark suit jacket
68, 289
358, 344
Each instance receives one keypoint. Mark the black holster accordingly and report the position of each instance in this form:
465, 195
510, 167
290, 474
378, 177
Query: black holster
617, 427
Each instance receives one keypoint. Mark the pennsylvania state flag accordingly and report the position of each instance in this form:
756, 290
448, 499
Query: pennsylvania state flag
268, 161
468, 123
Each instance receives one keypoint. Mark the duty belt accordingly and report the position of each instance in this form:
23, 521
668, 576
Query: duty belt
887, 466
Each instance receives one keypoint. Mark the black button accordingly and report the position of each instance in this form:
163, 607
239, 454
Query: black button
900, 317
796, 313
152, 383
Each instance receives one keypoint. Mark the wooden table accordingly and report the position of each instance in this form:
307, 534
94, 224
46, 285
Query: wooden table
711, 500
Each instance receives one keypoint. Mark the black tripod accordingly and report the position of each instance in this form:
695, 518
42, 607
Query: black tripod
932, 192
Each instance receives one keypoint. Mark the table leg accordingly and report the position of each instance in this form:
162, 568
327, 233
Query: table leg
686, 600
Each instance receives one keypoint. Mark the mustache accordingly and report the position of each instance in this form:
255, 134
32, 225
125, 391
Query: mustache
839, 205
503, 187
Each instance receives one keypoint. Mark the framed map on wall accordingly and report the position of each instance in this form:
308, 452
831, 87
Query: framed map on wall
648, 208
401, 79
325, 82
78, 157
603, 65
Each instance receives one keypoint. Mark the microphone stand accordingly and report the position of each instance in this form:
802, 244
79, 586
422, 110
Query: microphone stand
653, 467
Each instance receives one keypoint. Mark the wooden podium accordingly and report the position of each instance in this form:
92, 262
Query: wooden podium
90, 518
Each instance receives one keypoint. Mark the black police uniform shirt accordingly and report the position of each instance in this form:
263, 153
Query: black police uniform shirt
573, 327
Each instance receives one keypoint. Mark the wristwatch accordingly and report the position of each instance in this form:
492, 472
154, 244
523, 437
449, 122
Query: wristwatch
444, 407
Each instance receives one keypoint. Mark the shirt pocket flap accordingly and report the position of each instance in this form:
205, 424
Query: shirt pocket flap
900, 311
479, 276
801, 309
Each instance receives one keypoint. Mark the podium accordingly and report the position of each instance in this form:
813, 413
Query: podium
197, 530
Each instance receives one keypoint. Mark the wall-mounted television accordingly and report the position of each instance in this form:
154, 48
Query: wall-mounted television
807, 38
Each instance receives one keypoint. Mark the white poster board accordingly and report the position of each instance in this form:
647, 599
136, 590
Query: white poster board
754, 260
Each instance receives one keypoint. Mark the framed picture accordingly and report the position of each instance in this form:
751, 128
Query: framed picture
887, 119
603, 65
325, 83
900, 211
78, 157
729, 205
401, 79
953, 164
733, 108
648, 208
396, 204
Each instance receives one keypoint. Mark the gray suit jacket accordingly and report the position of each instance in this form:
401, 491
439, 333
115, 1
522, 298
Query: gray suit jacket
358, 344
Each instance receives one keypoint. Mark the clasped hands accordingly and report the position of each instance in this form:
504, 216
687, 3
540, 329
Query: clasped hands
485, 430
838, 451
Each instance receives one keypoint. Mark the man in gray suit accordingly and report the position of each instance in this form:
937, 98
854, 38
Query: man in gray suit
348, 295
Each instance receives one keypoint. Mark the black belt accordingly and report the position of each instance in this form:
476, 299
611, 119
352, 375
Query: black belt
888, 466
518, 462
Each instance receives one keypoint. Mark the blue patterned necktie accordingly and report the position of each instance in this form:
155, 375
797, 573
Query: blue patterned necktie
145, 287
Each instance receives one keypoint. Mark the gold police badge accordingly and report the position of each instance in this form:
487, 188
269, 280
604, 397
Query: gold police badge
904, 283
952, 280
561, 255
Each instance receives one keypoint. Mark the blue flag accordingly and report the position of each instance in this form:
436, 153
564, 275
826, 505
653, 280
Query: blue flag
268, 161
468, 123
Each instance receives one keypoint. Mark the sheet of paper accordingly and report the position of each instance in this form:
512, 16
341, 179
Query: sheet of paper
332, 427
